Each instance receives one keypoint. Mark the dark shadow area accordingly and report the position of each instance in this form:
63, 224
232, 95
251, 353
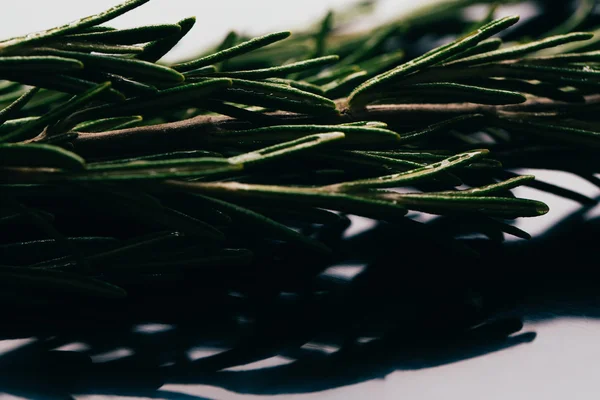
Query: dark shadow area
419, 302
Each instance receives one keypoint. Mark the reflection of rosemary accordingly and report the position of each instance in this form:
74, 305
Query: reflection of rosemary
258, 128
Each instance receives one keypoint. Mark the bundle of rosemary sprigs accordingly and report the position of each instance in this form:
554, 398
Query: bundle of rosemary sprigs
118, 172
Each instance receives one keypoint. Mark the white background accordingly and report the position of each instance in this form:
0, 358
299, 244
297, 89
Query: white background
562, 363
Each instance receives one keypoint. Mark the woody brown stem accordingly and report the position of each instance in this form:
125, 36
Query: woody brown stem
195, 132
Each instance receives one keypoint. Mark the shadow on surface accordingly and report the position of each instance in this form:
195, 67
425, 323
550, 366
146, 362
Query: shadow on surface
415, 305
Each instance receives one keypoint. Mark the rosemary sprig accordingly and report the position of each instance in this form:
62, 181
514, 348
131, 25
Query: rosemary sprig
263, 134
434, 57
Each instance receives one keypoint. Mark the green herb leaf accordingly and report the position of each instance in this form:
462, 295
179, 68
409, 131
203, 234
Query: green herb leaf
282, 70
234, 51
130, 67
142, 34
45, 64
513, 52
16, 106
34, 127
411, 176
158, 48
72, 27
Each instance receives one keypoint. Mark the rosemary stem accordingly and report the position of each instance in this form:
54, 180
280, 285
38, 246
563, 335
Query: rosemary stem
190, 132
